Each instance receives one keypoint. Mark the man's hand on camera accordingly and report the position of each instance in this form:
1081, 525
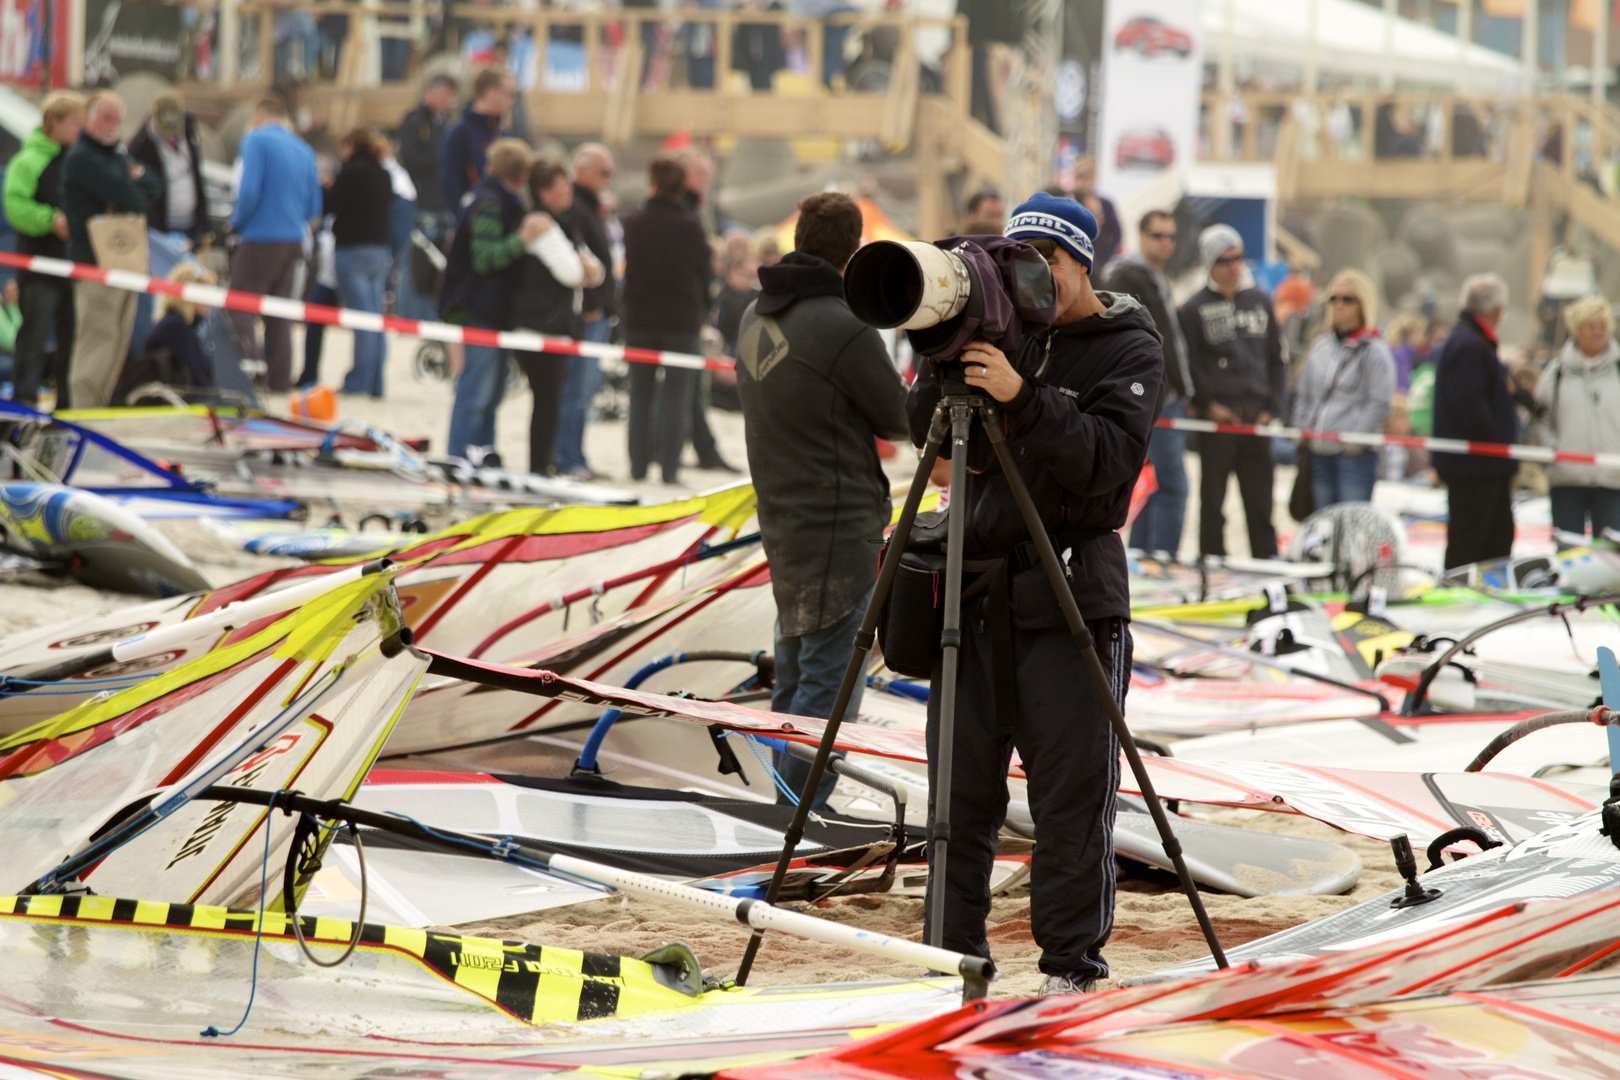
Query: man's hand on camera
986, 368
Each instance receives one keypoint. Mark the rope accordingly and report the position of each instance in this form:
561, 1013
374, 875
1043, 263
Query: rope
770, 769
211, 1031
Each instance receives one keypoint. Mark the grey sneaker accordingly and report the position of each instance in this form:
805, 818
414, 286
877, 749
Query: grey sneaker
1053, 985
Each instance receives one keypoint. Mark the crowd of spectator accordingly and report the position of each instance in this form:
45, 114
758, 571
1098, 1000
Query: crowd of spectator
1320, 359
536, 244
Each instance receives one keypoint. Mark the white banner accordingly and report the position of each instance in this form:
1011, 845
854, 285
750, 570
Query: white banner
1153, 76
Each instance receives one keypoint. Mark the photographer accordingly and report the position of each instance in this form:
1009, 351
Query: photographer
1079, 403
816, 385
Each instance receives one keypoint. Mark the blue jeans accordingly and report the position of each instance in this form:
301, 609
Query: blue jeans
808, 671
478, 393
579, 389
362, 275
1342, 478
1571, 506
315, 337
1160, 524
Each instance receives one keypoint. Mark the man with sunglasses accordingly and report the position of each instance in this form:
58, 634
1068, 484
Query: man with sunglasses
1235, 353
1140, 273
1078, 403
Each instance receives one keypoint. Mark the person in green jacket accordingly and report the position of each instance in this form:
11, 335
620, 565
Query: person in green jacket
34, 207
99, 178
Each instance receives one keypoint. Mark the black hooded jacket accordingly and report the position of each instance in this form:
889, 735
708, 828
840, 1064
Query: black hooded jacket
1079, 429
816, 384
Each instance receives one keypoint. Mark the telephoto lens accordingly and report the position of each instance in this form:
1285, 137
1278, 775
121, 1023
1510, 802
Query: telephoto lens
906, 285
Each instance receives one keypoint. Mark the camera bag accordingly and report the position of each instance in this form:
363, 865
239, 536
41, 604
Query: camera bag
914, 617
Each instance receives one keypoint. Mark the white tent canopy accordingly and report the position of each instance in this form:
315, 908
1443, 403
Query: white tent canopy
1350, 41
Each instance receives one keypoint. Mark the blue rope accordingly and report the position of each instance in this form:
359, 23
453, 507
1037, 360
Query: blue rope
770, 769
258, 931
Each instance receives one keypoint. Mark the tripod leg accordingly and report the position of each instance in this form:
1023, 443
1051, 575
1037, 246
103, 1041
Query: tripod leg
854, 670
939, 816
1099, 677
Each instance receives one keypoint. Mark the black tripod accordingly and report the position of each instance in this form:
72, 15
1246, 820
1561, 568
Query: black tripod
954, 414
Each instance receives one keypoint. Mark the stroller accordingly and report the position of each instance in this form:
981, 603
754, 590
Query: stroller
427, 263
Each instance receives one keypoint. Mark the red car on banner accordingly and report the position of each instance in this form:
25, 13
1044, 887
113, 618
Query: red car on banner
1152, 37
1144, 148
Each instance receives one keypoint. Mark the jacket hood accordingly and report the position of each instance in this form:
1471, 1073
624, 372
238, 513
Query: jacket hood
38, 140
1123, 313
797, 277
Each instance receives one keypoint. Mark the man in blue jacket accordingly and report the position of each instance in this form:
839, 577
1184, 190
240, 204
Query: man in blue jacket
277, 197
1472, 401
461, 164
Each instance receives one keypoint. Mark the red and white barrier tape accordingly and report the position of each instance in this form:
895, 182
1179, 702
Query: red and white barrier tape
1515, 451
297, 311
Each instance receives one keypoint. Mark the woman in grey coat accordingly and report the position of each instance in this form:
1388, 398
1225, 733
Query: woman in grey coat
1578, 409
1346, 385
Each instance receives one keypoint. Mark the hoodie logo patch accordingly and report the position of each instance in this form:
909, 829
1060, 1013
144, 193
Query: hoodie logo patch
1138, 389
762, 347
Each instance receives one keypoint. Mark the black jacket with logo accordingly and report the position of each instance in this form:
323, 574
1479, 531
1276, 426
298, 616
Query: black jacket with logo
816, 384
1234, 348
1079, 430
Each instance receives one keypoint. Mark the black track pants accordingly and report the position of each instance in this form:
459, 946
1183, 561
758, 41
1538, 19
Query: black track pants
1071, 758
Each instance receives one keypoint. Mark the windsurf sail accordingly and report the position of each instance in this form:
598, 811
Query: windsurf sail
1439, 1004
103, 794
245, 451
45, 448
94, 540
1370, 803
406, 998
506, 582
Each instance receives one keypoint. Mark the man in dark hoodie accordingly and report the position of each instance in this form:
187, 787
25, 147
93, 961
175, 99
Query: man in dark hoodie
1472, 401
816, 385
461, 162
1234, 348
1079, 403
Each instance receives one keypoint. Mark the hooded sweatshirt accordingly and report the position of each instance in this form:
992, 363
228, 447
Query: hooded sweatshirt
462, 159
1234, 349
33, 195
816, 385
1079, 430
1580, 394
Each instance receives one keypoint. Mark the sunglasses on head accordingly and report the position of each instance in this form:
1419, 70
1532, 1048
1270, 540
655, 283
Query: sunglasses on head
1340, 299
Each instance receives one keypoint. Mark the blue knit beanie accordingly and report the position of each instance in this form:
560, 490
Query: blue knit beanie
1064, 220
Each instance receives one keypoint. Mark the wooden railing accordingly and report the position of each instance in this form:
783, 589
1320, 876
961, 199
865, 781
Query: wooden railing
1555, 152
612, 101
